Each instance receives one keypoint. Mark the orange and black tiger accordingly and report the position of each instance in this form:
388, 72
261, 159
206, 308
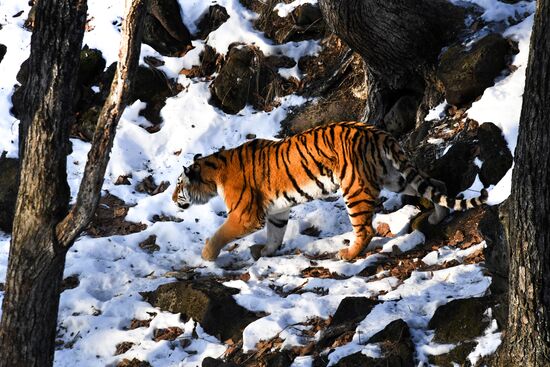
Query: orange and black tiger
262, 179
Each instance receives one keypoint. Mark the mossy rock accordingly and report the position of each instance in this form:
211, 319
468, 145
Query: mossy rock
458, 355
206, 301
459, 320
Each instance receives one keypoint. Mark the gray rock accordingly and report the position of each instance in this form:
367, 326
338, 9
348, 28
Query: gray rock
467, 72
497, 158
208, 302
164, 29
459, 320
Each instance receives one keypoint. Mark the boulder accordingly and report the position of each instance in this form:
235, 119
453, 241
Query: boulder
212, 20
9, 184
459, 320
150, 85
247, 78
456, 168
402, 115
458, 355
350, 312
212, 362
303, 23
335, 78
396, 344
208, 302
164, 30
466, 71
497, 158
92, 65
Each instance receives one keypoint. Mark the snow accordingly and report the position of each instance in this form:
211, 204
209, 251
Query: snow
94, 317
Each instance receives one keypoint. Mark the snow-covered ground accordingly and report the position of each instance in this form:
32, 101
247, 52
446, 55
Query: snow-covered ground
94, 316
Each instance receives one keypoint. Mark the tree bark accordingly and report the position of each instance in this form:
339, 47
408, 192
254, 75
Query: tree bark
527, 337
399, 41
89, 192
43, 229
36, 261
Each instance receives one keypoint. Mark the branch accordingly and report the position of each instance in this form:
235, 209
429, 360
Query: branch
98, 157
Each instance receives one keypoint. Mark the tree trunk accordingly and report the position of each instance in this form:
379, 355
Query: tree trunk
527, 337
399, 41
43, 229
36, 261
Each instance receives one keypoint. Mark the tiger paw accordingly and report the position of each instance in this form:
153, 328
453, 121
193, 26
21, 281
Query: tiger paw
209, 253
344, 254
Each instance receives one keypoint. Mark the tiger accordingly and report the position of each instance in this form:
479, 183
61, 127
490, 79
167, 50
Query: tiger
261, 180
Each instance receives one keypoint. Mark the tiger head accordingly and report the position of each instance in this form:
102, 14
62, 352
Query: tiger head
195, 185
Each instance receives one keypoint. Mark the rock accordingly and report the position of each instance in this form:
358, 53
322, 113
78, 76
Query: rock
85, 124
396, 344
206, 301
211, 61
123, 347
9, 185
212, 362
23, 72
456, 168
149, 244
151, 86
336, 79
3, 50
92, 65
467, 71
133, 363
277, 359
109, 219
350, 312
148, 185
402, 115
247, 78
353, 309
497, 158
459, 320
303, 23
70, 282
164, 30
457, 355
212, 20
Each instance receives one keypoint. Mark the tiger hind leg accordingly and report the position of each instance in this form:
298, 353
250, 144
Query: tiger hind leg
276, 227
360, 210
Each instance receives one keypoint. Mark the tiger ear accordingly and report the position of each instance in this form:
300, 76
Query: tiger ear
197, 156
186, 171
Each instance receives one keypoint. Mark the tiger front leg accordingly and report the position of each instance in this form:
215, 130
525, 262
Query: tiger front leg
232, 229
276, 227
360, 211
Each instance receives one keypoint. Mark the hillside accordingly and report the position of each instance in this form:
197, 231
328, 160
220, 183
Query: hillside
137, 292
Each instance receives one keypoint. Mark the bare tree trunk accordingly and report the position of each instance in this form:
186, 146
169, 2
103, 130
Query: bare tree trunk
527, 337
36, 261
399, 41
43, 230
